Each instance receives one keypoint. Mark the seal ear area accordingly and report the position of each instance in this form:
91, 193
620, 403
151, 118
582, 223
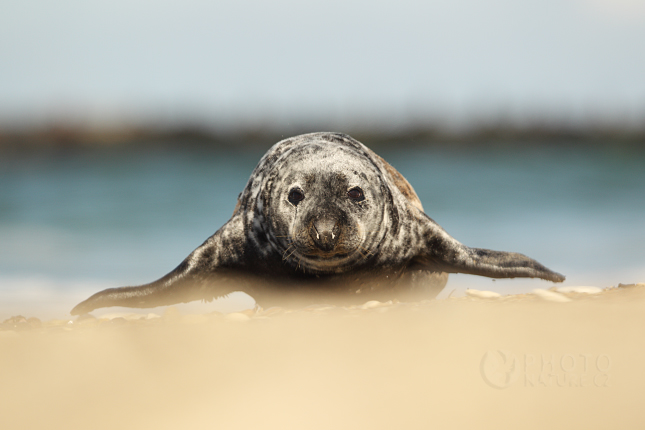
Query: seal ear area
442, 253
401, 184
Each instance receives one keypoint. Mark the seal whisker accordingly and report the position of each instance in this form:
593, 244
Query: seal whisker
366, 250
291, 245
287, 257
284, 254
367, 254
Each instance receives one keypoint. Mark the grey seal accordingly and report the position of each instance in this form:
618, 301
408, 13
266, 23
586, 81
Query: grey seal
323, 218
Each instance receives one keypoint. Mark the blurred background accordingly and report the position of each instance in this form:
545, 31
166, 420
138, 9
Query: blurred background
127, 129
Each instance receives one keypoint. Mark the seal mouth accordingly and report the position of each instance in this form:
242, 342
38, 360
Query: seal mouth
319, 261
326, 255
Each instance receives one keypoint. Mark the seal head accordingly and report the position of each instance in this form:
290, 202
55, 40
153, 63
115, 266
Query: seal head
322, 217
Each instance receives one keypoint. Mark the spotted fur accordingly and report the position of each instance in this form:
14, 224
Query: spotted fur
298, 231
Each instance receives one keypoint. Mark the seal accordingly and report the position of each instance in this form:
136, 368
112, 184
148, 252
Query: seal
323, 218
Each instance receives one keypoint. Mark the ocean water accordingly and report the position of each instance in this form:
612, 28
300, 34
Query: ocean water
75, 222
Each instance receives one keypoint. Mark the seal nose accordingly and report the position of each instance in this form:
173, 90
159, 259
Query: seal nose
324, 233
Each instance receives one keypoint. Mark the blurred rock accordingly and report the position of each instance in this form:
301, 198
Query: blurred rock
237, 316
483, 294
581, 290
550, 296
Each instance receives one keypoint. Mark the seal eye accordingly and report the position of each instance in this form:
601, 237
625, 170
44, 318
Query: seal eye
295, 196
356, 194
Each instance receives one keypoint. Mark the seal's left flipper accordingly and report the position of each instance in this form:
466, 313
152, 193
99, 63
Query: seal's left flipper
204, 275
442, 253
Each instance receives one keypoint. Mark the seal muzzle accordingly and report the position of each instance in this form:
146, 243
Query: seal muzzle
325, 233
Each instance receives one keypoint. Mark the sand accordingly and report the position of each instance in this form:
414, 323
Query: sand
475, 362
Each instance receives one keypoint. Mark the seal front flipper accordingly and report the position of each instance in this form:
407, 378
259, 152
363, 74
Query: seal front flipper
442, 253
207, 273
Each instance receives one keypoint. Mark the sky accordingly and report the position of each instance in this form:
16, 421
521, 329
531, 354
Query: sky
233, 62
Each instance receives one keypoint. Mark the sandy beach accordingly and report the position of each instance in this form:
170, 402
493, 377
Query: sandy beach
533, 361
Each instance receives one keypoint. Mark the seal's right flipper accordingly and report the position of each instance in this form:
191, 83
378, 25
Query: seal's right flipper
203, 275
182, 285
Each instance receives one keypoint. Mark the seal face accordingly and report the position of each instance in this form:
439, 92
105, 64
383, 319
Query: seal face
322, 217
322, 208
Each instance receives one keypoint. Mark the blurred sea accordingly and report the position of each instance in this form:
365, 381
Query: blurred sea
77, 221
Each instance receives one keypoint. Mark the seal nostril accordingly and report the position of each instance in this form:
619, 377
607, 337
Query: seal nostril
324, 233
